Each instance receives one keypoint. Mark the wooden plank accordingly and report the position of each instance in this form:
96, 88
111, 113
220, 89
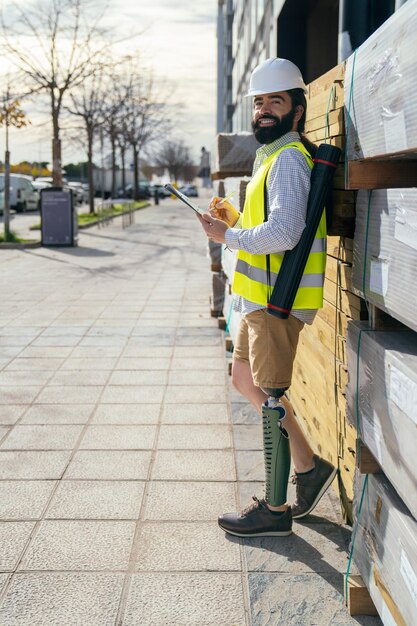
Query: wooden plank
323, 121
221, 174
324, 101
229, 344
321, 134
339, 272
325, 81
366, 462
342, 299
358, 601
222, 323
388, 174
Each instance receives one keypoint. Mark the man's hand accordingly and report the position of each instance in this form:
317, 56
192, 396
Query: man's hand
223, 210
214, 229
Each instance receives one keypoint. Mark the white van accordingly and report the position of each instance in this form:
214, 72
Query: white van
23, 195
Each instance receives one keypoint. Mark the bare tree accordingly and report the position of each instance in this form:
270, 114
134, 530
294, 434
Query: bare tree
175, 156
56, 45
87, 103
145, 116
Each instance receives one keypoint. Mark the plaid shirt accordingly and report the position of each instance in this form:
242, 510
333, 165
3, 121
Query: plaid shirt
288, 189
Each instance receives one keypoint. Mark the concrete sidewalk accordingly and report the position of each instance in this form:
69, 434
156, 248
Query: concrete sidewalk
121, 441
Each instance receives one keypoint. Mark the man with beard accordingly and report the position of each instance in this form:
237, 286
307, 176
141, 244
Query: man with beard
272, 222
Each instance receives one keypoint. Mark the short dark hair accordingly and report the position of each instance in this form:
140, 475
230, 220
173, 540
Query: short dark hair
298, 98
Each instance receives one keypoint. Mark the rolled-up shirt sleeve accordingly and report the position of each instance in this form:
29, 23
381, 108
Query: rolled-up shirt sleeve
288, 189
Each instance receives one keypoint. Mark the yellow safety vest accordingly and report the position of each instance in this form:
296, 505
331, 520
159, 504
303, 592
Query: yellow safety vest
251, 276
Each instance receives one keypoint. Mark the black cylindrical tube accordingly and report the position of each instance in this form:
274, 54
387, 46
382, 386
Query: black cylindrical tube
294, 261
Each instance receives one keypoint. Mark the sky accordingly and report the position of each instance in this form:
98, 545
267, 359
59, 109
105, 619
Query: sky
176, 39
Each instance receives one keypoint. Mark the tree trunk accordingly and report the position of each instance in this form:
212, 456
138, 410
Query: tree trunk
56, 147
90, 170
113, 165
123, 159
136, 172
7, 195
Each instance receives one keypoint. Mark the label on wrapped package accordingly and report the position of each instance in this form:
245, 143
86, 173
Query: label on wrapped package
409, 575
403, 392
378, 280
394, 132
406, 227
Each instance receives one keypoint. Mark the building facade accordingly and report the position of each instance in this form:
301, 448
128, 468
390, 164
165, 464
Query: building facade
314, 34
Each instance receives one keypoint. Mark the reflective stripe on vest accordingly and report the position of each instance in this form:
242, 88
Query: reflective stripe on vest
250, 277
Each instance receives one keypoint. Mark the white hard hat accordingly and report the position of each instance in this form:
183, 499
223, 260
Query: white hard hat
275, 75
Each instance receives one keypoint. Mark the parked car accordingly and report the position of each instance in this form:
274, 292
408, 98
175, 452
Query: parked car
23, 195
80, 194
189, 190
162, 192
39, 185
144, 192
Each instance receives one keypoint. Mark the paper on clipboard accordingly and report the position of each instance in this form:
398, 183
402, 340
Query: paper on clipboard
184, 198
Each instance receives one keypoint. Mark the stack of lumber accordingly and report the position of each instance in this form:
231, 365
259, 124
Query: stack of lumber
382, 361
320, 370
385, 551
385, 251
235, 153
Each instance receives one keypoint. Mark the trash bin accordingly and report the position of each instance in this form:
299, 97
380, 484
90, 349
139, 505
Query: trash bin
58, 217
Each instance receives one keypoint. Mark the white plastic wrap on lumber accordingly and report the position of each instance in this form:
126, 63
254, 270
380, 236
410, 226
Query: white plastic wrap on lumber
382, 400
380, 102
385, 252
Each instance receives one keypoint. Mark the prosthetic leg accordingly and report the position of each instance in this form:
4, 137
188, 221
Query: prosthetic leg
277, 455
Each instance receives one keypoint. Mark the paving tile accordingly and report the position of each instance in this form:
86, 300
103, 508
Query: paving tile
214, 352
189, 501
13, 539
320, 548
12, 341
50, 341
96, 352
301, 600
3, 581
55, 599
143, 363
204, 465
24, 500
109, 465
18, 395
69, 395
80, 545
248, 437
147, 352
139, 377
199, 340
58, 414
33, 464
195, 414
80, 377
90, 364
244, 413
9, 414
97, 500
250, 465
194, 377
148, 394
214, 436
59, 331
40, 352
106, 341
185, 599
34, 364
100, 331
189, 363
186, 546
127, 414
125, 437
197, 393
42, 437
25, 378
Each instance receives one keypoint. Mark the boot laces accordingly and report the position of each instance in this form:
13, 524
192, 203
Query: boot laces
256, 504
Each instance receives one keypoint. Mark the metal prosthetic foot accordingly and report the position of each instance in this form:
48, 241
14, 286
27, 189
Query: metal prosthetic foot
276, 453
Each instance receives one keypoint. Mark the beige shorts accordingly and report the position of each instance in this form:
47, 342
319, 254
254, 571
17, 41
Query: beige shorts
269, 344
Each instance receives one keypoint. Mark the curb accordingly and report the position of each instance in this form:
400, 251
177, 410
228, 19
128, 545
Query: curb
18, 246
111, 217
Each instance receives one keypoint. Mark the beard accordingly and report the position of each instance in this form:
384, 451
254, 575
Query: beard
268, 134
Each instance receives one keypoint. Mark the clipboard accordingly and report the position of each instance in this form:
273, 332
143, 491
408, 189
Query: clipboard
184, 198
